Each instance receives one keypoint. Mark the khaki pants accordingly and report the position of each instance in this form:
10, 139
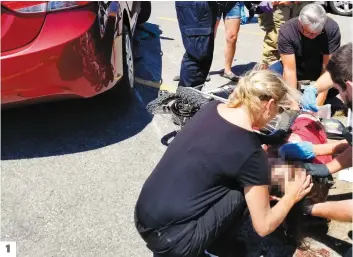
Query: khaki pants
271, 23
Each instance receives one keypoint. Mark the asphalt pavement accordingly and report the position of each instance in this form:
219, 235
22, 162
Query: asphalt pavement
71, 171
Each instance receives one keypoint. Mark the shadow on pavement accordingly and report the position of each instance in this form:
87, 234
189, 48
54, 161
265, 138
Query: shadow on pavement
81, 125
237, 69
70, 126
148, 58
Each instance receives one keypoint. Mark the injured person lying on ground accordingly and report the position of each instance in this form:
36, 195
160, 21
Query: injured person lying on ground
289, 236
306, 127
309, 142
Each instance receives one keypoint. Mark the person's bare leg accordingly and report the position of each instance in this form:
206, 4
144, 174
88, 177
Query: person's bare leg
334, 210
232, 27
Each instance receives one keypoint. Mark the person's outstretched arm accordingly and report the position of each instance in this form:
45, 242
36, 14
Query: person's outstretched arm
342, 161
330, 148
306, 150
323, 84
289, 69
334, 210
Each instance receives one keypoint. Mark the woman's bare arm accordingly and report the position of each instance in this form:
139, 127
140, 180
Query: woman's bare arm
266, 219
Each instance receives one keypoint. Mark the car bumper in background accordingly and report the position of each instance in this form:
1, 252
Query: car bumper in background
65, 60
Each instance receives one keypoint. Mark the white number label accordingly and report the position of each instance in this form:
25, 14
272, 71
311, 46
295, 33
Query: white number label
8, 249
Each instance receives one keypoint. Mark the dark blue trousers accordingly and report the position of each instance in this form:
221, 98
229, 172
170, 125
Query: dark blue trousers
196, 22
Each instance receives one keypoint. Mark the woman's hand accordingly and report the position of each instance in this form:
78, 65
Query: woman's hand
299, 186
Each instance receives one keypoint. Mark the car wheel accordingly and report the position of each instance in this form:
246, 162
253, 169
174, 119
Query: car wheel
341, 7
145, 12
128, 80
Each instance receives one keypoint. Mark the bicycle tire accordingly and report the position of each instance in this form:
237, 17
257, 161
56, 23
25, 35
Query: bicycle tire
195, 99
159, 103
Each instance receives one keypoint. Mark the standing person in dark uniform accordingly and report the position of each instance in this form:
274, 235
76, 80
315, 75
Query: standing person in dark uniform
194, 199
196, 22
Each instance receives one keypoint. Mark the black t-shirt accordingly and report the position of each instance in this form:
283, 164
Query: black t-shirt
308, 52
208, 158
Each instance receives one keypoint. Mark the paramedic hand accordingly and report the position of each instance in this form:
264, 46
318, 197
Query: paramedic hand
308, 100
277, 137
318, 170
300, 150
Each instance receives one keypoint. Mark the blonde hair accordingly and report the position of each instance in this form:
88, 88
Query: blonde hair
263, 85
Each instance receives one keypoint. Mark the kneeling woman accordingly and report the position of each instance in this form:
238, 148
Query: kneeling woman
214, 167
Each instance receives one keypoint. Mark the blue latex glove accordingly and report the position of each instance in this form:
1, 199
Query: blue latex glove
308, 100
299, 150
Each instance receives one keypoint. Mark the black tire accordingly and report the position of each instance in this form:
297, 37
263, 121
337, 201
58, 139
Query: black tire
145, 13
335, 10
126, 84
195, 99
158, 105
166, 140
348, 253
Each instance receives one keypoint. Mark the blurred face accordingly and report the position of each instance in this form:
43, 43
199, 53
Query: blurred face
307, 32
346, 94
282, 172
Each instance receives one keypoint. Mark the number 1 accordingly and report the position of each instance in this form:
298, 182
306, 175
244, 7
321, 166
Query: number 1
8, 248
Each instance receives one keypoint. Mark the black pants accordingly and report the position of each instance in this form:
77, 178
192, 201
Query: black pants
196, 22
213, 231
348, 253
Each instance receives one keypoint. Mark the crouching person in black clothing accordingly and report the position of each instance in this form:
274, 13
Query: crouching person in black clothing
194, 199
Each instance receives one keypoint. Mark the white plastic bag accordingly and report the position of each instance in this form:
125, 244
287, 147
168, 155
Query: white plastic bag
324, 112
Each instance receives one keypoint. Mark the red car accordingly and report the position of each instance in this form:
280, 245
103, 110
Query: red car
66, 49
